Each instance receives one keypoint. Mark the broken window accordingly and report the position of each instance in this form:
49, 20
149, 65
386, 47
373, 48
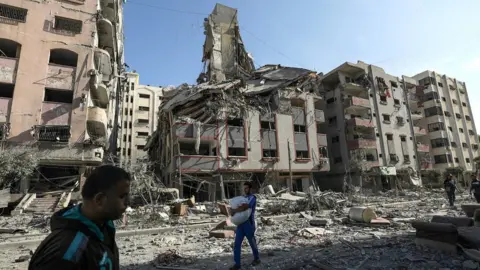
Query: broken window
461, 130
143, 108
440, 84
454, 101
142, 121
9, 48
142, 134
269, 153
433, 111
436, 127
396, 102
236, 152
335, 139
332, 121
6, 90
458, 115
444, 99
13, 13
447, 114
63, 57
464, 145
144, 96
439, 142
302, 154
59, 96
337, 160
441, 159
298, 103
467, 118
400, 121
471, 132
464, 104
467, 160
53, 133
129, 152
236, 122
140, 147
406, 158
386, 118
393, 84
453, 144
383, 99
68, 25
431, 96
267, 125
299, 128
450, 128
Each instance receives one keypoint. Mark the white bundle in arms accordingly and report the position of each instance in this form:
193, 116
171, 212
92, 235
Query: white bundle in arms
240, 217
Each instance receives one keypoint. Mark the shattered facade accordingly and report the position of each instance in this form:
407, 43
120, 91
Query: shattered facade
240, 124
380, 127
59, 81
139, 117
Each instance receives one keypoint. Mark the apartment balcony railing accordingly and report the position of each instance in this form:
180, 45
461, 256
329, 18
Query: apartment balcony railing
189, 131
197, 163
417, 115
355, 89
356, 103
8, 69
322, 139
52, 133
419, 131
60, 77
423, 148
362, 143
361, 125
97, 123
319, 116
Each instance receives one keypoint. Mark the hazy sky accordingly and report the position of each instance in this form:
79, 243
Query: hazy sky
164, 38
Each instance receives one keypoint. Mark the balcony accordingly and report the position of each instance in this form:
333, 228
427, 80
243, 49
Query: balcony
108, 9
354, 89
8, 69
52, 133
417, 115
419, 131
190, 131
362, 143
54, 113
361, 125
322, 139
106, 38
60, 77
423, 148
100, 94
356, 104
319, 116
103, 65
97, 123
5, 105
198, 163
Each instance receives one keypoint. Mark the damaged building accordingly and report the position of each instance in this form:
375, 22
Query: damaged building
239, 123
59, 78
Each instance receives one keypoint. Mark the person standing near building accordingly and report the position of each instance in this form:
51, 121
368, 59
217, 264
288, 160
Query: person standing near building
246, 230
83, 236
450, 187
475, 188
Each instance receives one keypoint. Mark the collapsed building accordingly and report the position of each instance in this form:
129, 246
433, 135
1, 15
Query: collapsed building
239, 123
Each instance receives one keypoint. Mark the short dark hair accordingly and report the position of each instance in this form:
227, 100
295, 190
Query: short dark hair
248, 184
102, 179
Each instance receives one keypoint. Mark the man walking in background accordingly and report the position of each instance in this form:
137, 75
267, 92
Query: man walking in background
450, 187
83, 236
475, 188
246, 230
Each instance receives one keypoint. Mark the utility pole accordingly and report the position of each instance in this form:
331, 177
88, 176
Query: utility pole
290, 180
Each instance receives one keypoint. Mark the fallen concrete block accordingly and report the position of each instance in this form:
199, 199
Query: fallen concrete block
445, 247
457, 221
222, 234
469, 237
469, 209
224, 209
320, 222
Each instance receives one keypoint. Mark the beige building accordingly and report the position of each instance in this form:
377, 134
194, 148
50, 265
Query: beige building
139, 118
452, 133
60, 64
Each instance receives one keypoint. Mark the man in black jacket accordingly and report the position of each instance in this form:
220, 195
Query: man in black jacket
475, 188
83, 236
450, 187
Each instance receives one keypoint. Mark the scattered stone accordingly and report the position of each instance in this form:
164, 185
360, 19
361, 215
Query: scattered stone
320, 222
469, 264
222, 234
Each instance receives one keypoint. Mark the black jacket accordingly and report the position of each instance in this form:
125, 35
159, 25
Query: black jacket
450, 185
76, 243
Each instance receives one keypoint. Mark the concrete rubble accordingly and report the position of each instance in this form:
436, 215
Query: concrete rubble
308, 236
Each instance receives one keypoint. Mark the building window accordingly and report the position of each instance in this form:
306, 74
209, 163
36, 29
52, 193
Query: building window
458, 115
447, 114
269, 153
68, 25
396, 102
143, 108
60, 134
142, 134
236, 152
267, 125
140, 147
433, 111
406, 159
124, 151
129, 152
457, 160
464, 145
323, 152
461, 130
386, 118
332, 121
439, 142
301, 154
441, 159
131, 99
467, 118
389, 137
393, 84
400, 121
471, 132
124, 137
467, 160
383, 99
444, 99
464, 104
13, 13
132, 86
453, 144
299, 128
337, 160
58, 96
143, 96
440, 84
454, 101
436, 127
403, 138
335, 139
450, 128
330, 100
237, 122
142, 121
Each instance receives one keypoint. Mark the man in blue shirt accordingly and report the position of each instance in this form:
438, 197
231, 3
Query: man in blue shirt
246, 229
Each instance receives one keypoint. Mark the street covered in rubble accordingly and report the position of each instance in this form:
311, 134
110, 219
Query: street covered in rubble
295, 231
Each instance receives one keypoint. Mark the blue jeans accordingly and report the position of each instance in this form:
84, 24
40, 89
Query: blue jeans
247, 230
